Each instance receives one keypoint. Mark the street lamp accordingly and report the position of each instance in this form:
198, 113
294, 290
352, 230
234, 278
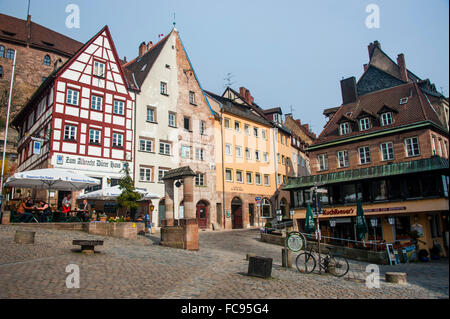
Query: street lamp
374, 222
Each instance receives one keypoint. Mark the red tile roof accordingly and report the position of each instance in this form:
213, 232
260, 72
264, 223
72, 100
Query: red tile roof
15, 30
416, 109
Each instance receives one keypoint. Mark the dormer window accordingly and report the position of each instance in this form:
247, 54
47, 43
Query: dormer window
344, 128
364, 124
276, 118
386, 119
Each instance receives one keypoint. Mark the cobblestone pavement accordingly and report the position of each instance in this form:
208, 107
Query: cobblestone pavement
142, 269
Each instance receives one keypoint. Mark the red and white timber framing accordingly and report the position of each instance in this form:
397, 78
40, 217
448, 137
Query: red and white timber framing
85, 117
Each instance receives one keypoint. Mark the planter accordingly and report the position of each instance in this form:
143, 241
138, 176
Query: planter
103, 219
120, 230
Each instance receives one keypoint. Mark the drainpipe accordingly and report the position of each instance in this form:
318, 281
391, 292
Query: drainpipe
223, 166
275, 164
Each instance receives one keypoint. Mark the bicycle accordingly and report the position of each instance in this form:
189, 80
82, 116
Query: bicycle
332, 263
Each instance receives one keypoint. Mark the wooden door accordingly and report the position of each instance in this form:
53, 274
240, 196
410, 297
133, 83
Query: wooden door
237, 217
201, 216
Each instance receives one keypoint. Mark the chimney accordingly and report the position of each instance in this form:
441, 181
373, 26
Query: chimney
125, 59
402, 65
149, 45
142, 49
366, 66
348, 90
242, 91
372, 47
246, 95
306, 126
28, 29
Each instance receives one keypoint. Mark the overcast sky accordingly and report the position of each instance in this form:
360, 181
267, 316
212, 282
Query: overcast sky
287, 53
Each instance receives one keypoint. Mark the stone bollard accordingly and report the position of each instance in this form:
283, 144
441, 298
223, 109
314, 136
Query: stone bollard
285, 251
24, 237
6, 216
247, 257
396, 277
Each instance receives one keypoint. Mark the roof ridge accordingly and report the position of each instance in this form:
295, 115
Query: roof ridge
146, 52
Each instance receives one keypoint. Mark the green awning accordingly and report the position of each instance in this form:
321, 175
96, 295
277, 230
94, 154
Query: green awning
421, 165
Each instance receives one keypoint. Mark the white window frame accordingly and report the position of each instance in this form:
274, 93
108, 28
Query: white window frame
242, 177
166, 148
231, 175
322, 159
410, 146
185, 151
238, 151
148, 174
117, 139
387, 118
364, 155
268, 179
163, 88
99, 69
171, 119
144, 145
70, 132
256, 178
161, 173
344, 128
94, 136
386, 147
247, 175
119, 107
343, 159
151, 115
364, 124
228, 150
96, 102
199, 154
72, 97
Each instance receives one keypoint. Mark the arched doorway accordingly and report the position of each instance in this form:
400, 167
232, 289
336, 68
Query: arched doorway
236, 213
284, 207
161, 211
202, 214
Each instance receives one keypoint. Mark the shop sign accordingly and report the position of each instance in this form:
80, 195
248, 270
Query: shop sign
384, 209
336, 211
87, 163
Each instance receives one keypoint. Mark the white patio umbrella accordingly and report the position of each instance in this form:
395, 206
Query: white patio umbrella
51, 178
111, 193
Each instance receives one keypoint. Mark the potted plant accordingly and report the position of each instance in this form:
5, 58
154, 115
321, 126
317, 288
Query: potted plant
268, 227
435, 252
102, 217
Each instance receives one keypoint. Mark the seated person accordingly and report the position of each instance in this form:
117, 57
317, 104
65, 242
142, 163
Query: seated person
23, 210
67, 204
85, 213
45, 211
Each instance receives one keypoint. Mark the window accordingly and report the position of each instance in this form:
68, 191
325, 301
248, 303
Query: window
164, 148
364, 124
323, 162
151, 115
10, 54
266, 180
72, 97
247, 129
117, 140
278, 157
412, 146
343, 158
364, 155
47, 60
238, 151
248, 155
96, 102
161, 173
237, 126
185, 151
145, 145
257, 178
279, 178
70, 132
284, 179
266, 157
192, 97
239, 177
187, 123
200, 179
288, 161
264, 133
229, 175
202, 128
249, 177
164, 88
118, 107
344, 128
277, 117
99, 69
145, 174
171, 119
94, 136
387, 151
200, 154
227, 149
386, 118
281, 139
257, 157
1, 71
2, 51
282, 159
255, 131
227, 123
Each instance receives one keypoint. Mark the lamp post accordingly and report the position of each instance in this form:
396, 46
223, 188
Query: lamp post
316, 192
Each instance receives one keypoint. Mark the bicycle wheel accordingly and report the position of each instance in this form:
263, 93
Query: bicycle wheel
295, 241
338, 266
306, 263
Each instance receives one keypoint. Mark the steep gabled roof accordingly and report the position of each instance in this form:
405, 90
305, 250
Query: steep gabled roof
15, 30
139, 67
417, 109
